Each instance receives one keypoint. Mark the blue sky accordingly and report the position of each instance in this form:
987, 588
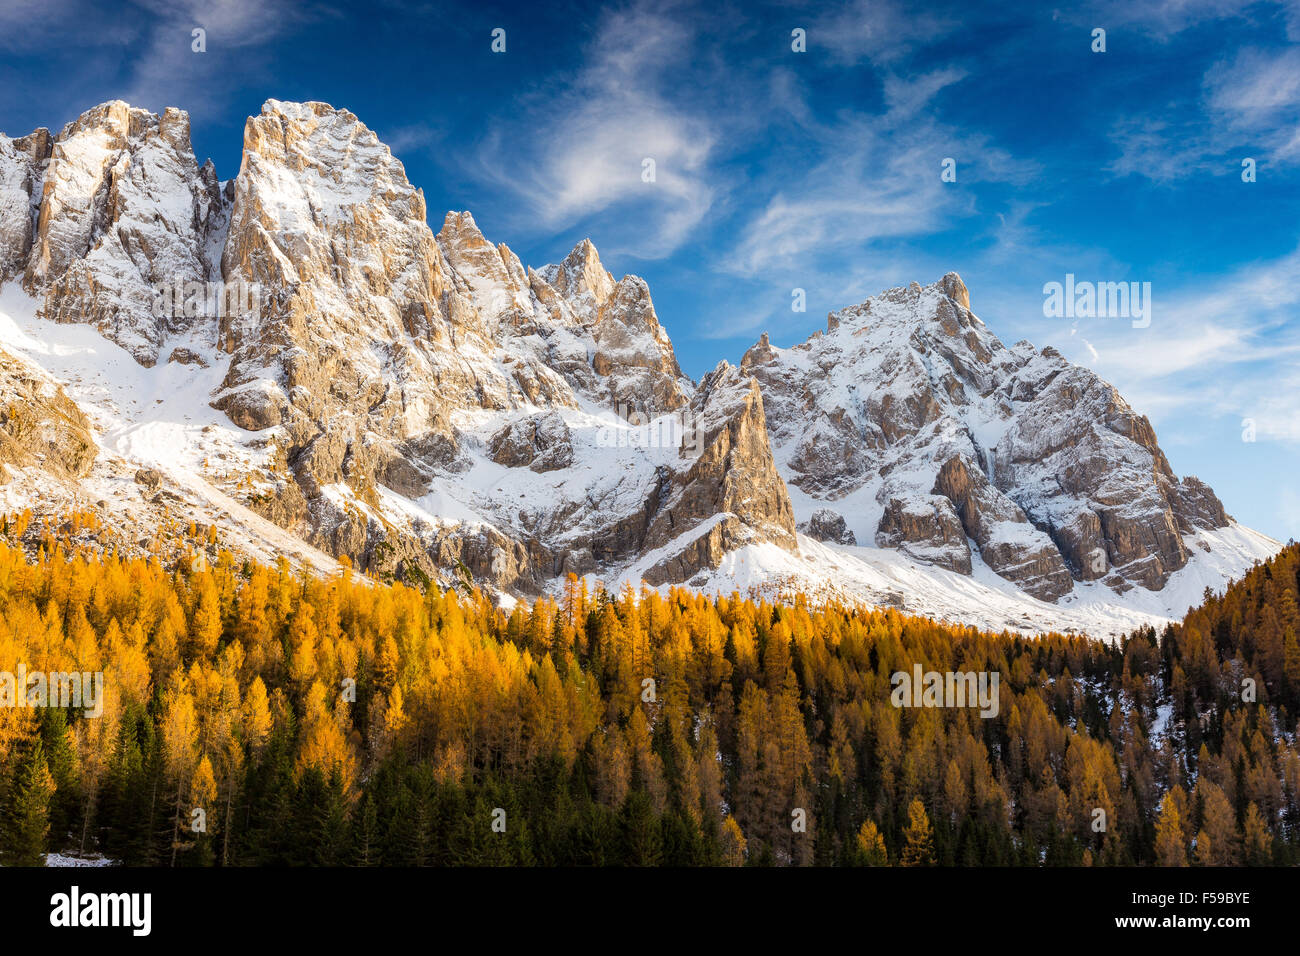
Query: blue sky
818, 170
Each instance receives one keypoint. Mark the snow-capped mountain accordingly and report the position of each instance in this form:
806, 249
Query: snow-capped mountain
295, 357
940, 441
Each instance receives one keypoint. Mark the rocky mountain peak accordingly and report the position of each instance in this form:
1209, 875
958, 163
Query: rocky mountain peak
462, 241
22, 169
955, 289
427, 400
121, 210
947, 441
336, 163
583, 280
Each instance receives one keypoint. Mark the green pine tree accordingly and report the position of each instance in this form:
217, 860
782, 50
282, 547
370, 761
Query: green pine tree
25, 813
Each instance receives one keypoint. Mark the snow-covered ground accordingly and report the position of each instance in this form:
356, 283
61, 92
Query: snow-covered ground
60, 859
984, 599
160, 418
155, 418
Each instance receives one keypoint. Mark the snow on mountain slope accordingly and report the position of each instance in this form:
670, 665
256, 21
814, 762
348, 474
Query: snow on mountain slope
888, 578
160, 418
374, 360
425, 404
142, 419
912, 420
122, 209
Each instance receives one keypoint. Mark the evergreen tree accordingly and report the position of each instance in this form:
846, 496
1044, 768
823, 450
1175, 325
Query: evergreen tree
25, 809
640, 839
871, 845
918, 839
1170, 849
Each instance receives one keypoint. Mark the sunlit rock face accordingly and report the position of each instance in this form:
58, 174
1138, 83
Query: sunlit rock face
430, 402
962, 442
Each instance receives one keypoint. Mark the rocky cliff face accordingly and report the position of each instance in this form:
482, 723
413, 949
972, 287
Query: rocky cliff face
826, 524
375, 338
732, 488
379, 362
427, 405
120, 209
632, 352
22, 170
958, 440
40, 427
1007, 542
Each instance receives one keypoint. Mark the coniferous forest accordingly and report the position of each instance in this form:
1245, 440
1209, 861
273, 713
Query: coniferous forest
253, 715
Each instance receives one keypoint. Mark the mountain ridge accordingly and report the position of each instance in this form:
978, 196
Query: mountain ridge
419, 402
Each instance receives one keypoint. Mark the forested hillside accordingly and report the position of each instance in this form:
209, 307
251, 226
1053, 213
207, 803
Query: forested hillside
355, 722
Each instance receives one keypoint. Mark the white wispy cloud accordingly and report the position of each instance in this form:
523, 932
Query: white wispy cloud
1250, 98
1165, 151
864, 178
1165, 19
581, 149
166, 71
411, 137
159, 68
25, 24
1258, 94
879, 31
1227, 346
